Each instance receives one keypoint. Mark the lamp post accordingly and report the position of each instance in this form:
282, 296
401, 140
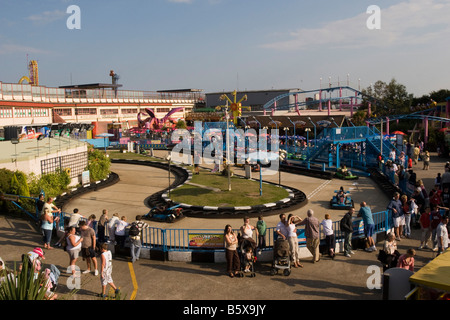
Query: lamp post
276, 128
279, 162
228, 150
348, 119
315, 131
332, 119
286, 137
168, 162
15, 141
295, 141
260, 169
307, 139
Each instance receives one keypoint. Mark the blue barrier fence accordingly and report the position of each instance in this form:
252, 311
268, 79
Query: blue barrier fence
179, 239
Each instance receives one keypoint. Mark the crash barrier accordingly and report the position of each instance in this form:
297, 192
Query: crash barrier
212, 240
65, 197
296, 197
19, 201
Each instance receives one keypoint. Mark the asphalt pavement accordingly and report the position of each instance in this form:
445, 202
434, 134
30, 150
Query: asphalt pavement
151, 280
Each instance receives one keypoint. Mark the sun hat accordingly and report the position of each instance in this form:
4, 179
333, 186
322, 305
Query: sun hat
39, 252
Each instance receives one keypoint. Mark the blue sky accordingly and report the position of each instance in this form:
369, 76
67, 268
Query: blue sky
219, 45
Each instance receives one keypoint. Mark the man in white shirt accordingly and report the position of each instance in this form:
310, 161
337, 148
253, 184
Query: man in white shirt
281, 228
50, 206
75, 218
442, 235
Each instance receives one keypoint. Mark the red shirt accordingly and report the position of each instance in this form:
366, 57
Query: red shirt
435, 219
425, 220
435, 197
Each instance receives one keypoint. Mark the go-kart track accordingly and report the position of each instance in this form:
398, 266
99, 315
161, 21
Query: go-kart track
339, 279
127, 198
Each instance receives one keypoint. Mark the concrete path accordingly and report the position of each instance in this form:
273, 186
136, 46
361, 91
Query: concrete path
339, 279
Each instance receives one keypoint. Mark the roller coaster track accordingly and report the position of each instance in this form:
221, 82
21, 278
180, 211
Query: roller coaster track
270, 104
419, 115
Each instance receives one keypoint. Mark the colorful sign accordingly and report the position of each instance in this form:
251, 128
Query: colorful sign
301, 237
358, 227
206, 240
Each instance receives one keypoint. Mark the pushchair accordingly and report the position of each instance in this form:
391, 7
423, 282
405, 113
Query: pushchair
247, 258
48, 277
281, 257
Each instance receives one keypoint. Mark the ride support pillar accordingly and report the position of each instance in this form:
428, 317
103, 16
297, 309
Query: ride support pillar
338, 162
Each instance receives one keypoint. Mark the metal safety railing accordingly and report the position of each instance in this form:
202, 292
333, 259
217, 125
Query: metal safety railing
210, 239
27, 92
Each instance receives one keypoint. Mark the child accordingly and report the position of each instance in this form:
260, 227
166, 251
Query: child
426, 161
106, 270
409, 163
248, 259
261, 227
425, 228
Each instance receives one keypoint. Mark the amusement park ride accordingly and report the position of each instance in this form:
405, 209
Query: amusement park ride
33, 72
152, 123
235, 106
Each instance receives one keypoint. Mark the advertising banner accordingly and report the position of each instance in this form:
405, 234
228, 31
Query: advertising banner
206, 240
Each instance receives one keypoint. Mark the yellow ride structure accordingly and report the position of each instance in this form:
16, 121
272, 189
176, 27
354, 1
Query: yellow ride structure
33, 71
235, 106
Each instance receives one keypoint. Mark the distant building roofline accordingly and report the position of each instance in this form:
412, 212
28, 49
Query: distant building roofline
92, 86
181, 90
257, 91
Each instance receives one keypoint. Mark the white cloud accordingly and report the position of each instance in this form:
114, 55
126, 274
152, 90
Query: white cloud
17, 48
413, 22
181, 1
47, 17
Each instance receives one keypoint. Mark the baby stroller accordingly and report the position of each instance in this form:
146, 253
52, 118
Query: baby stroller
247, 258
281, 257
48, 277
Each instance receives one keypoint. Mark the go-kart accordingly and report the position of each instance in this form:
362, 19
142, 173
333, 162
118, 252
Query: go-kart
165, 213
299, 156
345, 175
341, 200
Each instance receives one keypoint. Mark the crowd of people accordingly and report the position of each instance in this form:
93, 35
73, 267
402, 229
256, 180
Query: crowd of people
88, 238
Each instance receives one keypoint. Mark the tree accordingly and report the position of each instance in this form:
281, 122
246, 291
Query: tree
181, 124
440, 96
424, 101
359, 118
388, 98
99, 165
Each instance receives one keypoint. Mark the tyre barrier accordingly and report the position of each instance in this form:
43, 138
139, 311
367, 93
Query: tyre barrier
384, 182
66, 197
295, 200
315, 173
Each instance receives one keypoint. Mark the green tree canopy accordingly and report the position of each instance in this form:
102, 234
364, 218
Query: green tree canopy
387, 98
